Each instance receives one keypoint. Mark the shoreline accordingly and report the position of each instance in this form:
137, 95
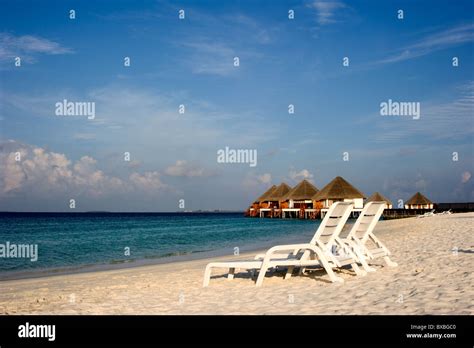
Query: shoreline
114, 266
430, 279
167, 240
246, 248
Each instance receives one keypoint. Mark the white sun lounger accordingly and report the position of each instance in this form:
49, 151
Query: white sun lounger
427, 214
446, 212
347, 248
361, 238
316, 253
360, 232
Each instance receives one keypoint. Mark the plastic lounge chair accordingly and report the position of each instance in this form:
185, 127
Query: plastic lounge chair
315, 253
361, 236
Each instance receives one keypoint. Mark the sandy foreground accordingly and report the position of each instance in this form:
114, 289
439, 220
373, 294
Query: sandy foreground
435, 257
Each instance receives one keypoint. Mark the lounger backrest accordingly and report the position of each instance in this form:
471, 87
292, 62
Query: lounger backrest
332, 223
366, 221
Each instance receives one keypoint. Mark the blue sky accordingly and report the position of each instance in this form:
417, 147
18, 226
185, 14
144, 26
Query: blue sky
190, 62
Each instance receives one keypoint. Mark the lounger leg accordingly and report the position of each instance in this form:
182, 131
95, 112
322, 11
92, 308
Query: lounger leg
289, 272
305, 255
389, 262
361, 258
333, 277
261, 276
230, 276
329, 270
366, 266
357, 270
207, 275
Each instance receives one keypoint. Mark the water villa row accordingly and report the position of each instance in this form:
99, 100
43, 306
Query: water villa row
306, 201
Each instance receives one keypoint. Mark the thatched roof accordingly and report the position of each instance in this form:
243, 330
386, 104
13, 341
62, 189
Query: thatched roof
278, 193
266, 193
418, 198
304, 190
338, 188
378, 197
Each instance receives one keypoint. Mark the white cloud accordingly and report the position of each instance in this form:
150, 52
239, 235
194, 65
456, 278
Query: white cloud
432, 43
209, 57
245, 24
253, 181
326, 10
184, 169
214, 55
27, 46
303, 174
147, 116
265, 178
45, 172
12, 174
147, 181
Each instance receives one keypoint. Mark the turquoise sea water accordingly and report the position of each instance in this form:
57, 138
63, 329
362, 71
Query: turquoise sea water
80, 240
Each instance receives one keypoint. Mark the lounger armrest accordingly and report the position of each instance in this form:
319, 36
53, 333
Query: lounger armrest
289, 247
283, 254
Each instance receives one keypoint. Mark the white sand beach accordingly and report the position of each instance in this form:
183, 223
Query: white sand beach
435, 257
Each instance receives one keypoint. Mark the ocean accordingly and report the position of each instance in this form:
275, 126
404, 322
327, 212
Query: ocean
72, 242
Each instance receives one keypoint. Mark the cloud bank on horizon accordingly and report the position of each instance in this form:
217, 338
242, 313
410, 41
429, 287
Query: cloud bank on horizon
301, 84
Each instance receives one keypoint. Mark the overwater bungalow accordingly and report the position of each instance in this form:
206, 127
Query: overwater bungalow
418, 201
272, 201
378, 197
338, 190
254, 209
298, 201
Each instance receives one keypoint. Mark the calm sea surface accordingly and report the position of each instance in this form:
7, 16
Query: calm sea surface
78, 241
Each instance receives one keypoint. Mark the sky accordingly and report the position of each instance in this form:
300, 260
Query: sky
336, 128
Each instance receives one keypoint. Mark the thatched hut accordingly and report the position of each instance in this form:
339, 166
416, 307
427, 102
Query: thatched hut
378, 197
263, 197
278, 194
298, 201
339, 190
418, 201
272, 200
259, 202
